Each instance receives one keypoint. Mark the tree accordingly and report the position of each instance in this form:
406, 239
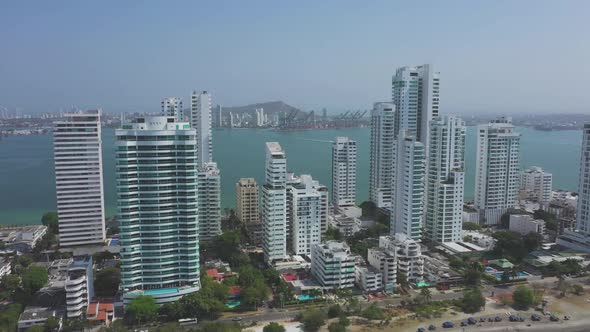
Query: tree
532, 241
50, 220
336, 327
578, 289
549, 218
473, 300
102, 256
142, 309
425, 295
107, 282
471, 226
510, 244
36, 328
523, 297
113, 230
51, 324
34, 278
254, 289
373, 312
402, 280
333, 234
10, 282
9, 317
75, 325
334, 311
312, 320
273, 327
473, 273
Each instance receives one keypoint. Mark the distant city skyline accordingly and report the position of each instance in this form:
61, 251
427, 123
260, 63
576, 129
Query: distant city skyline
500, 57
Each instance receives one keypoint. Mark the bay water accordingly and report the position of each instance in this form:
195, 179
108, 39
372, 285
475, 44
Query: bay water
27, 185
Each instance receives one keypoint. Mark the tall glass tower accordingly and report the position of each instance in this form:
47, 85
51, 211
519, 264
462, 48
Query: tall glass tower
157, 195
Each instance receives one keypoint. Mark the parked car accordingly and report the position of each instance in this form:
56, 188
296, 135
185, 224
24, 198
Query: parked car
463, 323
535, 317
498, 319
448, 325
482, 320
566, 317
431, 327
491, 319
512, 318
553, 318
421, 329
471, 321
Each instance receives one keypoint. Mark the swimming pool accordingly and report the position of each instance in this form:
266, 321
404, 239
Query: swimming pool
160, 291
232, 304
520, 274
305, 297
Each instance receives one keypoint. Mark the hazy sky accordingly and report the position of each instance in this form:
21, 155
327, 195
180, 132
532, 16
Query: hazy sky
494, 56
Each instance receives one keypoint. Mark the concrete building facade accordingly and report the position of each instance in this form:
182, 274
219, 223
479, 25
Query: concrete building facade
344, 172
333, 265
248, 208
77, 146
274, 204
497, 173
381, 169
445, 180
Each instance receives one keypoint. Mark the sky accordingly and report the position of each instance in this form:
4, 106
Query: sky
124, 56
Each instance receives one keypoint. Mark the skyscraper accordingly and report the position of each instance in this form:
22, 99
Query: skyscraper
343, 172
416, 98
408, 185
445, 180
248, 208
201, 121
307, 212
157, 199
497, 172
274, 202
381, 168
172, 106
580, 238
209, 175
78, 179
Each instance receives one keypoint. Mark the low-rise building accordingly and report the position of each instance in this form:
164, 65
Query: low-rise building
22, 238
525, 224
368, 279
101, 313
386, 263
37, 316
332, 265
408, 254
480, 239
79, 286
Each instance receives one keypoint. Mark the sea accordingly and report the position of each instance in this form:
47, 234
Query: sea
27, 185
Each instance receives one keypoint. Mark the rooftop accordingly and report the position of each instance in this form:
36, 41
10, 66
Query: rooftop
274, 147
37, 313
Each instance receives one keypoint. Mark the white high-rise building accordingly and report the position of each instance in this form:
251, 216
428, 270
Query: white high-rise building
580, 238
209, 201
260, 117
382, 154
79, 286
497, 172
445, 180
78, 179
307, 217
201, 121
408, 186
343, 172
172, 106
157, 199
416, 97
209, 176
537, 184
274, 204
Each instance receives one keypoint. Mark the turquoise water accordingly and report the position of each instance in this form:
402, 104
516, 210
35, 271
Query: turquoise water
305, 297
27, 180
521, 274
233, 304
160, 291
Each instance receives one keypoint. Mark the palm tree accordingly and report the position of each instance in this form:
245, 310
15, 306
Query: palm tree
425, 295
